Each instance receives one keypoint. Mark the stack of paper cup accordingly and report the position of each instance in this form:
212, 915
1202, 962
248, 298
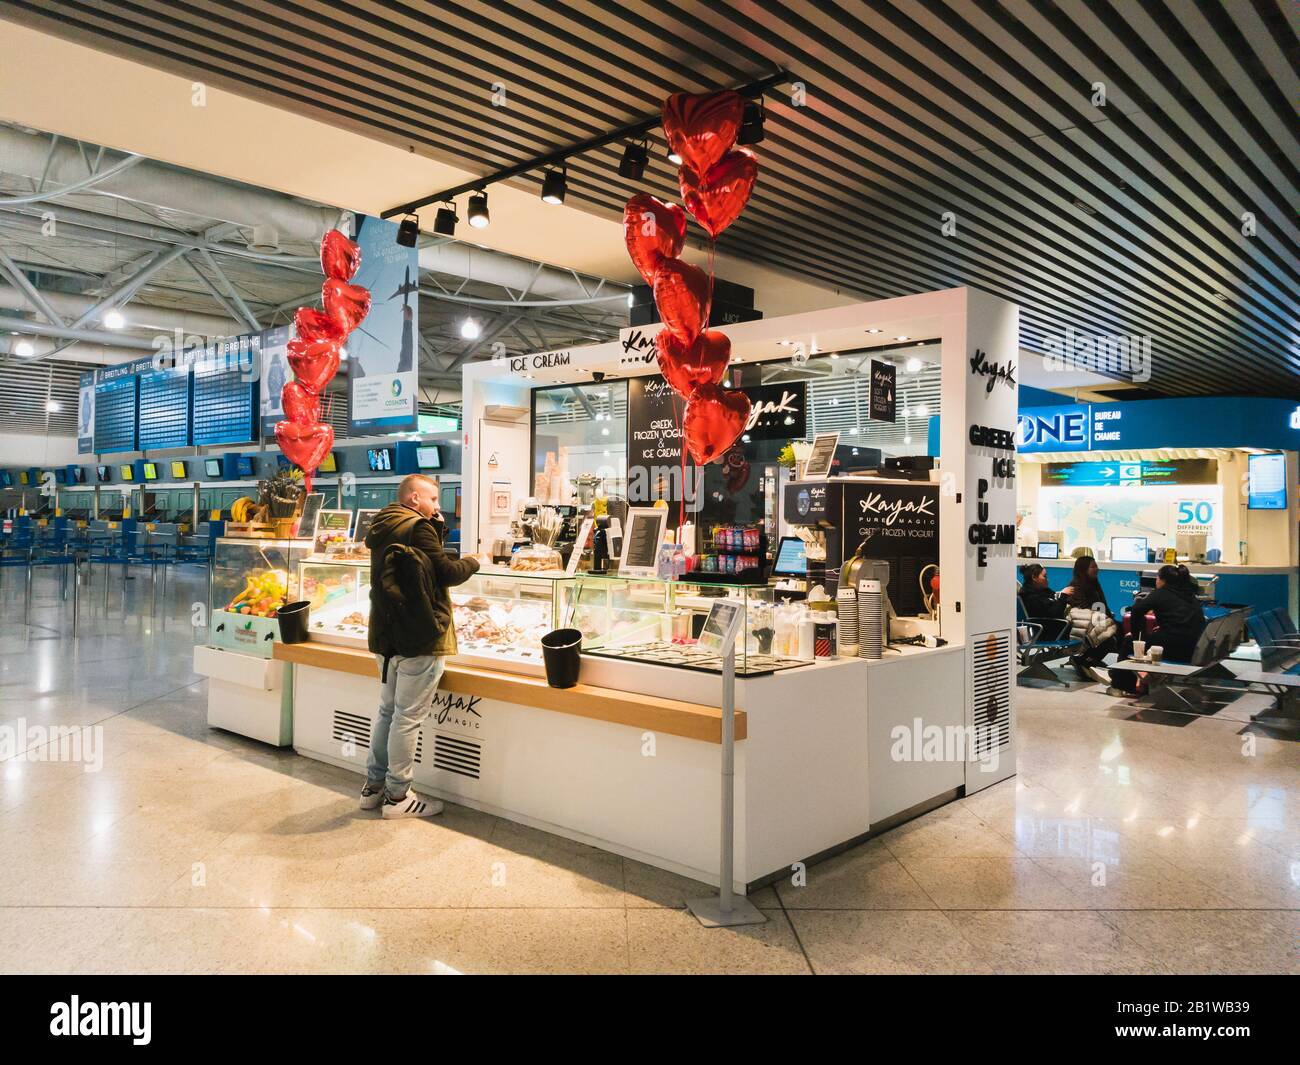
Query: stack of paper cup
846, 607
871, 620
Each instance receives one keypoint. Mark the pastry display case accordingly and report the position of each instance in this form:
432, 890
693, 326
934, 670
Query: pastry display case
338, 588
501, 617
659, 621
251, 580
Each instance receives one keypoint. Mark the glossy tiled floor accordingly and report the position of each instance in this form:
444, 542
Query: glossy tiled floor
1121, 847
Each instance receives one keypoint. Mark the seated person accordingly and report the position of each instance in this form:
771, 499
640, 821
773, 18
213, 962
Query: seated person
1180, 619
1042, 605
1090, 620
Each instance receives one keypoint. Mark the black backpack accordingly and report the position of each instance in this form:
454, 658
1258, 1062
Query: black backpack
404, 594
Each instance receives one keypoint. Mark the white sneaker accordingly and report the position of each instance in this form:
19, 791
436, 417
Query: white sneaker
412, 805
1102, 675
370, 799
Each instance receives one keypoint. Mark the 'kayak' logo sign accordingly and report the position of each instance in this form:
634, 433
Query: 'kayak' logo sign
996, 372
1295, 418
890, 509
452, 709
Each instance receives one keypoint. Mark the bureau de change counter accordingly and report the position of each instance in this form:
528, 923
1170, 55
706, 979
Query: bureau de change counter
629, 759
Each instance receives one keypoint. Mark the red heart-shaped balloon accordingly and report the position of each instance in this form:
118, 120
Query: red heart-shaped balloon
346, 304
301, 404
311, 324
702, 363
314, 362
340, 258
717, 199
305, 445
682, 296
701, 128
715, 417
653, 231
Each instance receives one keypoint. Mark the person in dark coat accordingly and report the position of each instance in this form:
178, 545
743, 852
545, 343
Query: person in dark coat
1179, 618
1042, 605
410, 662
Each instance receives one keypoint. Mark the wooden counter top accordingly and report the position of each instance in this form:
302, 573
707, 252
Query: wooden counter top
690, 720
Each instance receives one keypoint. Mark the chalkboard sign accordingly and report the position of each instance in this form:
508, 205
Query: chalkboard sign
645, 532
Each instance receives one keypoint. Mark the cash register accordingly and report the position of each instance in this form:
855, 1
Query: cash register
791, 567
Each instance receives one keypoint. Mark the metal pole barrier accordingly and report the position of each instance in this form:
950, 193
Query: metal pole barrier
727, 911
76, 592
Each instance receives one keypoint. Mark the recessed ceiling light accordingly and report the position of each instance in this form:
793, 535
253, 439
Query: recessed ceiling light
835, 354
114, 319
902, 338
24, 349
873, 330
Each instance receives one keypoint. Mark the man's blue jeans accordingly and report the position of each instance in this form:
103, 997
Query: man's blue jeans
404, 702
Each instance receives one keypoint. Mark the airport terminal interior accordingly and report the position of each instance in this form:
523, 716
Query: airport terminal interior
860, 449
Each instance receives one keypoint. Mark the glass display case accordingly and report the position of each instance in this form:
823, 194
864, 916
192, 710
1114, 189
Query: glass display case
502, 616
338, 588
658, 621
251, 579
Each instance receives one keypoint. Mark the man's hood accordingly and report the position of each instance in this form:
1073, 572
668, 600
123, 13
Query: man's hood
390, 524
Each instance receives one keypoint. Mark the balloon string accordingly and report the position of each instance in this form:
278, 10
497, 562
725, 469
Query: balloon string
681, 435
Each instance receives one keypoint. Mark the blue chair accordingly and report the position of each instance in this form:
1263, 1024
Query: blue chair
1033, 652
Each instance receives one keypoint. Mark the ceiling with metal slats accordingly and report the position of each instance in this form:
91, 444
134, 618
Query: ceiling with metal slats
1116, 168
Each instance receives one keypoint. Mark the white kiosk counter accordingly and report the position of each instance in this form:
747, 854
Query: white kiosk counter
629, 759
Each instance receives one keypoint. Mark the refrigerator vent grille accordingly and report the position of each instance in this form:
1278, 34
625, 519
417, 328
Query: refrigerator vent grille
455, 754
352, 728
991, 685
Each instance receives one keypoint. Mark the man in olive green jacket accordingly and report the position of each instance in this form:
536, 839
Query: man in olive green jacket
410, 662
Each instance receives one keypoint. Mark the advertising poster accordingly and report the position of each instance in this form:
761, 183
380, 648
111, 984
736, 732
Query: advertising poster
654, 441
898, 524
86, 414
382, 352
884, 380
276, 373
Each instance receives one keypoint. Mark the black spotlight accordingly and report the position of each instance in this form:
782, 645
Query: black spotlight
408, 232
478, 211
444, 222
634, 161
554, 185
751, 125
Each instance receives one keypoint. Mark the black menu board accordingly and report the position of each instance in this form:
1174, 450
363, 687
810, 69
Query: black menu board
883, 390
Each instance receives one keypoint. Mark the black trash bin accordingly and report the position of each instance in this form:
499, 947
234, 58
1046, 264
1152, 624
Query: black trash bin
562, 650
293, 621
